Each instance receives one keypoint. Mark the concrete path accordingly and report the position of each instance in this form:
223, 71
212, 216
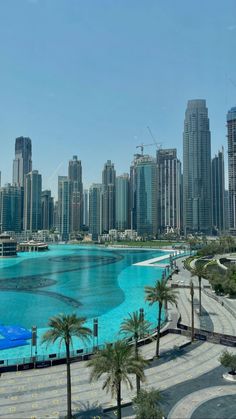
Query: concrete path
186, 406
42, 393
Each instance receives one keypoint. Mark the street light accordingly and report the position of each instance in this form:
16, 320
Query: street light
192, 310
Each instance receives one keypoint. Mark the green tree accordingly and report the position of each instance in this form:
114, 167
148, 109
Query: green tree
136, 326
146, 404
116, 362
161, 293
63, 328
200, 272
228, 360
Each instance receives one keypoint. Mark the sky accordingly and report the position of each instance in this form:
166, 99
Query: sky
87, 77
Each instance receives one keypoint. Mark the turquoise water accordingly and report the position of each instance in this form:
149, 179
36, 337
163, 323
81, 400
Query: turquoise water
90, 281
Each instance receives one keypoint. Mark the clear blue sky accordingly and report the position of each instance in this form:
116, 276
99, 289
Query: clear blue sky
87, 77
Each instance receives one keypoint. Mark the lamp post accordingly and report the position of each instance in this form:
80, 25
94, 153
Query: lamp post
95, 334
192, 310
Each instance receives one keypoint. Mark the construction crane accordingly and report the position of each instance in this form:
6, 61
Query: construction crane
158, 145
141, 146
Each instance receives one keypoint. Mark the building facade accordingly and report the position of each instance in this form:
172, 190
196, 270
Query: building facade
197, 210
11, 208
218, 192
76, 204
32, 201
108, 196
231, 134
168, 190
122, 202
47, 210
64, 207
95, 210
22, 164
146, 196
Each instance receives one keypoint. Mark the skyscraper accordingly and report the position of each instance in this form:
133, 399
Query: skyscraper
64, 207
32, 201
231, 128
218, 191
86, 207
47, 210
109, 194
146, 196
122, 202
76, 204
22, 164
133, 192
168, 190
95, 210
197, 211
10, 208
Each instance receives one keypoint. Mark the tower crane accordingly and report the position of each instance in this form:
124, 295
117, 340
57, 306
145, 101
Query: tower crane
141, 146
158, 145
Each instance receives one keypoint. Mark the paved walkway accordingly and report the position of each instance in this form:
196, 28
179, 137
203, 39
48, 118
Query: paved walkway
42, 393
186, 406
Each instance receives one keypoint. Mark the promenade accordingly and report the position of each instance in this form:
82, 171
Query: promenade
42, 393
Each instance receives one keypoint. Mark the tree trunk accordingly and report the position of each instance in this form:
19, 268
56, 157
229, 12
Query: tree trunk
158, 330
119, 401
200, 295
137, 378
69, 414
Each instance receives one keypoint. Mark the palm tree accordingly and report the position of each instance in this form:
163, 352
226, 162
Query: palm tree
117, 362
200, 272
136, 326
161, 294
147, 404
64, 327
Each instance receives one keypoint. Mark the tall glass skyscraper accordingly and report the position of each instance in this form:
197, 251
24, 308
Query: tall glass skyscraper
169, 182
197, 210
109, 196
95, 210
76, 204
32, 201
122, 202
22, 164
231, 128
146, 196
218, 191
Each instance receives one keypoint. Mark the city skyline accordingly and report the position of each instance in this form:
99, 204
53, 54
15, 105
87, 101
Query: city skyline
98, 75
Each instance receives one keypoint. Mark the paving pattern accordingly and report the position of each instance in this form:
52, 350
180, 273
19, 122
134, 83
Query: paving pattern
186, 406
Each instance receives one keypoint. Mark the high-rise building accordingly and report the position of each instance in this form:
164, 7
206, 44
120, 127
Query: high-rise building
197, 211
218, 191
86, 207
226, 210
22, 164
10, 208
32, 201
146, 196
64, 207
133, 190
76, 205
122, 202
47, 210
95, 210
109, 194
168, 190
231, 128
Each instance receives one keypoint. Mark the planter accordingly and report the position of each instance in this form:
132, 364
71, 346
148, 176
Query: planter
229, 376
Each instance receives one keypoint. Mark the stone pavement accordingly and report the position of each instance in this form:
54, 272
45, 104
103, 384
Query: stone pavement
187, 405
42, 393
